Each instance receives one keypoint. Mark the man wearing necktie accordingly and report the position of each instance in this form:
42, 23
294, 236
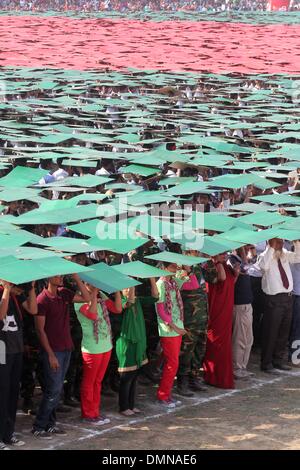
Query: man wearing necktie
277, 284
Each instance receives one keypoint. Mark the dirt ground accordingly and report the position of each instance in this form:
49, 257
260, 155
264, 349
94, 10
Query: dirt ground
261, 413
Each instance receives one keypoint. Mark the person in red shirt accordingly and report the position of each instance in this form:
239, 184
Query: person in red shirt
53, 328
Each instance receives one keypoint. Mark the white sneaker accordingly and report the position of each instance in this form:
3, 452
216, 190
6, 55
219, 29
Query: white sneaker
101, 421
247, 373
3, 446
175, 401
15, 442
167, 404
41, 434
239, 374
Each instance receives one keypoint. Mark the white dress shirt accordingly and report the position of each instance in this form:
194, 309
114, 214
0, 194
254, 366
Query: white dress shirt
268, 263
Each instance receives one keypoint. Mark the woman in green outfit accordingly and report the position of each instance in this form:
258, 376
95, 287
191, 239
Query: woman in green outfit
131, 346
96, 350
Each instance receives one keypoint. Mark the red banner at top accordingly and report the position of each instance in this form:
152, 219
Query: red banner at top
282, 5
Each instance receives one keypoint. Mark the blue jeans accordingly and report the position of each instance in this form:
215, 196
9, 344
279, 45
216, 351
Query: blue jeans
295, 327
54, 381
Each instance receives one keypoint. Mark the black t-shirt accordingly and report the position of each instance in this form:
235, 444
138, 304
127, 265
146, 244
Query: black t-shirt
11, 328
243, 290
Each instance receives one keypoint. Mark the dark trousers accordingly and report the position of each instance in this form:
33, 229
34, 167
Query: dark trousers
275, 329
127, 390
295, 327
258, 306
53, 382
32, 370
74, 373
10, 377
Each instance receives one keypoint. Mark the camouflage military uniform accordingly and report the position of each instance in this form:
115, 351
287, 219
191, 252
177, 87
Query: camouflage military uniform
195, 321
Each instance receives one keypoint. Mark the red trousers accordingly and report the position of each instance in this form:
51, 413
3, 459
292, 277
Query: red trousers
171, 349
94, 368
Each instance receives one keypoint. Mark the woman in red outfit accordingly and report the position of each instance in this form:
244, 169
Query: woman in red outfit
217, 364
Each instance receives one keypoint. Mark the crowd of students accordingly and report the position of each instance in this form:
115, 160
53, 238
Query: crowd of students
198, 322
135, 5
204, 319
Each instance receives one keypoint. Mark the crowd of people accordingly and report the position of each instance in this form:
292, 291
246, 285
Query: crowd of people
197, 317
198, 321
135, 5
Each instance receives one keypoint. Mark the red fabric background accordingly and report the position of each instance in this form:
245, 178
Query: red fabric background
60, 42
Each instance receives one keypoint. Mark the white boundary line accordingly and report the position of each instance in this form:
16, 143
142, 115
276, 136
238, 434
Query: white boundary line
259, 383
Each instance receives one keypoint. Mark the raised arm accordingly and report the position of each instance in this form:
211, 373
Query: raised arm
221, 274
30, 304
84, 293
116, 305
294, 257
264, 260
5, 299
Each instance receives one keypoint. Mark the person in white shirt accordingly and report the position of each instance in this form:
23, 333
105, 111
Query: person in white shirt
58, 175
277, 284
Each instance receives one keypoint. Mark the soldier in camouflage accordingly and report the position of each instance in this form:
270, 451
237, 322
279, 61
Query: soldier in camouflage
195, 322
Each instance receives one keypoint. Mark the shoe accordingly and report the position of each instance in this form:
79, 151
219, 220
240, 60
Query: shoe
136, 411
240, 374
196, 385
71, 402
41, 434
247, 373
14, 441
63, 409
101, 421
89, 420
292, 365
3, 446
182, 387
56, 430
168, 404
177, 402
282, 367
268, 370
127, 412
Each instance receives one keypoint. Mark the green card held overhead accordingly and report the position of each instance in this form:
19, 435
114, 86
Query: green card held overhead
169, 257
108, 279
19, 271
139, 270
